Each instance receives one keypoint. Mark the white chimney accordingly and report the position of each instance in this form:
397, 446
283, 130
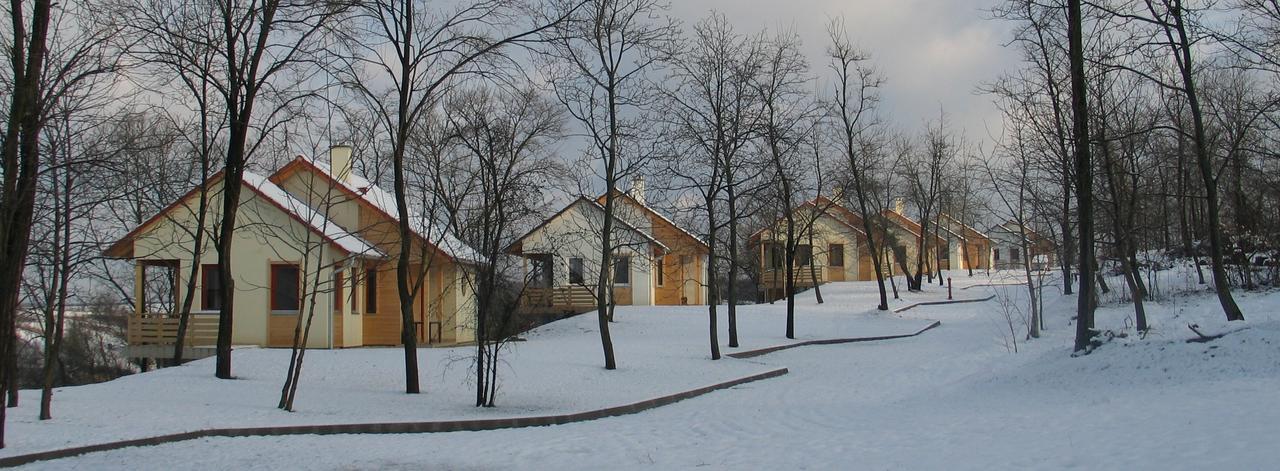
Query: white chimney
340, 162
637, 189
899, 206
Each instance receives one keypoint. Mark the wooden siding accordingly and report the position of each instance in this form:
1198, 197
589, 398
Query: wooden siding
280, 329
337, 327
622, 295
162, 329
677, 278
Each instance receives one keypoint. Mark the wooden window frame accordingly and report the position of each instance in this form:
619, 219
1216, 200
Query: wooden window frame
271, 288
580, 272
618, 261
833, 249
339, 281
371, 291
205, 281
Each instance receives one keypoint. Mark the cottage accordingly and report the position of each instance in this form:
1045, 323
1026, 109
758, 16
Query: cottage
655, 261
1009, 250
966, 247
310, 238
830, 246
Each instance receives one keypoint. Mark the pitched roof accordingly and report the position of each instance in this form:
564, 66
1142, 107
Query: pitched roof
654, 212
592, 204
384, 202
965, 227
273, 195
848, 220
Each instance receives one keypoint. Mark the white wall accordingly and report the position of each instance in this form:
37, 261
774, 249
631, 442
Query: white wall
575, 233
264, 235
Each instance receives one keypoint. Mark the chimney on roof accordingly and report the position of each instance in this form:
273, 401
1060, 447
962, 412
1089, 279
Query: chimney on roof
637, 189
837, 194
899, 206
340, 162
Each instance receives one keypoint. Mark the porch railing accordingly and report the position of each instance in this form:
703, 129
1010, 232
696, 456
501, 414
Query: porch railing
559, 297
800, 275
162, 329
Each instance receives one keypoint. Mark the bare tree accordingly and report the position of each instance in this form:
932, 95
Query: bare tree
786, 123
494, 186
1083, 172
600, 58
855, 99
713, 116
429, 47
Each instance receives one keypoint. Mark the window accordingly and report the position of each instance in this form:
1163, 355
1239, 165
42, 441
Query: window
835, 255
1013, 254
210, 288
371, 292
284, 287
995, 254
622, 270
662, 277
337, 291
575, 271
775, 256
804, 255
541, 275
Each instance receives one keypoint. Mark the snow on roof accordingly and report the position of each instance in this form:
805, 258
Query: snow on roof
386, 203
627, 225
317, 222
655, 212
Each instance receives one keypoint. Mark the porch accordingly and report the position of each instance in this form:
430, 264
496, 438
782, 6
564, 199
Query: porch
557, 299
803, 276
153, 335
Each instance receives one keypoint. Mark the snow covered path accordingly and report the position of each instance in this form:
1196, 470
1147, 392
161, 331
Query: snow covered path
954, 398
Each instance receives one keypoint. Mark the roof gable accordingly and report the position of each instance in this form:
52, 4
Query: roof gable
383, 204
275, 197
516, 246
624, 196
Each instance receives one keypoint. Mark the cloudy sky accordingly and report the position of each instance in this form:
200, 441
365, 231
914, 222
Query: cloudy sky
934, 53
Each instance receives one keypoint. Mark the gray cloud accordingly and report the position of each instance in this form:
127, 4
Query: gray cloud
934, 53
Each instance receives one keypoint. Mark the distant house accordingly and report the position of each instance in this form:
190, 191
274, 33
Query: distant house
829, 247
839, 251
655, 261
308, 227
966, 247
1007, 248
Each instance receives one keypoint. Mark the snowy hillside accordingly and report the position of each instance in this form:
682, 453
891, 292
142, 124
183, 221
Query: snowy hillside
953, 398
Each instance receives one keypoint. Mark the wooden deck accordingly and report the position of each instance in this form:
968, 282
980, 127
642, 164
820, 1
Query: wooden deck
776, 278
560, 299
153, 336
162, 329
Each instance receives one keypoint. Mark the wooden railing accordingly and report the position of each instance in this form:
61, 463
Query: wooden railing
777, 276
162, 329
559, 298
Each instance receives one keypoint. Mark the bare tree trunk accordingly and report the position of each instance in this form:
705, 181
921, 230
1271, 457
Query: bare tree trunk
1182, 45
1084, 174
813, 270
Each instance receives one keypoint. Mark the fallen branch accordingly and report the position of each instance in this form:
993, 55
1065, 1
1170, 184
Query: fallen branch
1202, 337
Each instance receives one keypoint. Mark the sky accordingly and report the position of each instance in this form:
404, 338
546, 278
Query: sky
933, 53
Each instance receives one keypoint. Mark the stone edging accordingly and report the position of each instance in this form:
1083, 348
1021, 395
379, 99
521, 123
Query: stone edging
395, 427
939, 303
993, 285
768, 350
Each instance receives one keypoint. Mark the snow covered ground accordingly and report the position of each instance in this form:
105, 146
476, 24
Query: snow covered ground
953, 398
557, 370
